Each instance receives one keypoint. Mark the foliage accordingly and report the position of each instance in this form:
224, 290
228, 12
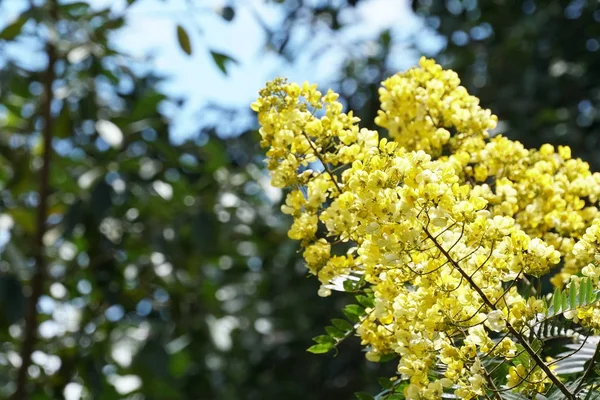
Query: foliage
164, 272
448, 230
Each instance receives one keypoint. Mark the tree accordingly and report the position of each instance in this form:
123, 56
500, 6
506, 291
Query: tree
133, 267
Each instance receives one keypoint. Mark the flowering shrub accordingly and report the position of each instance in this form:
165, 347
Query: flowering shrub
445, 233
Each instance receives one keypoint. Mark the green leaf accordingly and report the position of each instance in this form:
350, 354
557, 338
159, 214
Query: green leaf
179, 363
363, 396
556, 301
388, 357
589, 291
146, 106
349, 286
221, 60
385, 383
522, 358
341, 324
184, 40
536, 345
365, 301
12, 30
573, 296
582, 291
564, 301
353, 312
324, 339
320, 348
77, 9
335, 332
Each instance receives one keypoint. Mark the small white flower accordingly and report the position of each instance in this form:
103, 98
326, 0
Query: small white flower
495, 321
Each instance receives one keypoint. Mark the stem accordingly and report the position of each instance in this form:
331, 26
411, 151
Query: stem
532, 353
493, 387
318, 155
37, 281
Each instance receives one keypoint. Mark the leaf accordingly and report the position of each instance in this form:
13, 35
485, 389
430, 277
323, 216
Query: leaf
184, 40
388, 357
14, 29
147, 106
353, 312
536, 345
179, 363
363, 396
349, 286
341, 324
320, 348
77, 9
590, 293
555, 301
365, 301
573, 296
522, 358
335, 332
324, 339
582, 291
221, 60
228, 13
385, 383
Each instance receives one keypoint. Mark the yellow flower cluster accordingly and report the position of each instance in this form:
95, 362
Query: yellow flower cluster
442, 223
427, 109
549, 194
587, 250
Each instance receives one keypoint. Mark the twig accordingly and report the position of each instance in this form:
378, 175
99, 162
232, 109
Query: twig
37, 281
318, 155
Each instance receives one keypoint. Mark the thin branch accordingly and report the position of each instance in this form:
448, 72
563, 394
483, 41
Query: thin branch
37, 281
532, 353
318, 155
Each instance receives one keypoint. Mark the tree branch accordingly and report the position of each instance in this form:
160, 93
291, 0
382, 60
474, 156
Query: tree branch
37, 281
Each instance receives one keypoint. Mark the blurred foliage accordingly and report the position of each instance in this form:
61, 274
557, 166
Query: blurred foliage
532, 62
168, 274
170, 262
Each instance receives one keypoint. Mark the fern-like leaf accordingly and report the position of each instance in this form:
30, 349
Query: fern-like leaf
574, 360
572, 297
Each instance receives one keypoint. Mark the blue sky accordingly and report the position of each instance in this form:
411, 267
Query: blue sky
151, 29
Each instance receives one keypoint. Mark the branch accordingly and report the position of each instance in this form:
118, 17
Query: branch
37, 281
318, 155
532, 353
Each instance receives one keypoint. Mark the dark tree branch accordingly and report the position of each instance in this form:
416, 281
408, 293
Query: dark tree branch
39, 276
